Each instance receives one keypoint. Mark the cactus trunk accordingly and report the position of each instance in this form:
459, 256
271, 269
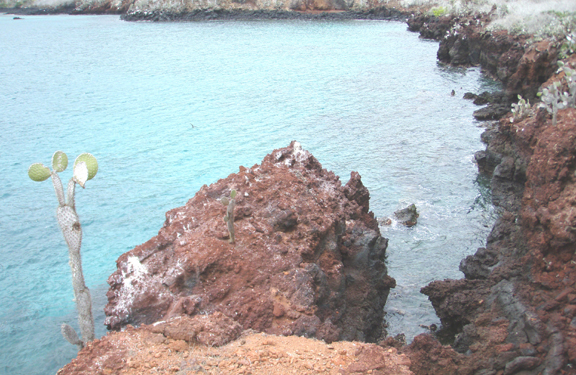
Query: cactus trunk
70, 225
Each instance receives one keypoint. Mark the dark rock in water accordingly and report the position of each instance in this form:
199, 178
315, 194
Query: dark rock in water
308, 258
407, 216
483, 98
397, 341
470, 96
480, 100
492, 112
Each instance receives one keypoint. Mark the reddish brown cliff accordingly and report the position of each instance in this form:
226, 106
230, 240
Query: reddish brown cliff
515, 312
520, 64
308, 258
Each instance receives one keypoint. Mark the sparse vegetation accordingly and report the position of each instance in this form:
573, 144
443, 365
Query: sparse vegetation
568, 46
561, 94
520, 110
439, 11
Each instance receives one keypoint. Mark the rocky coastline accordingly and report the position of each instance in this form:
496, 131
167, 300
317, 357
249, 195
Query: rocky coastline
213, 14
513, 313
263, 14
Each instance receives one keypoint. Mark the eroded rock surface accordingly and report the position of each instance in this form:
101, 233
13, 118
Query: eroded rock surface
511, 59
308, 258
515, 311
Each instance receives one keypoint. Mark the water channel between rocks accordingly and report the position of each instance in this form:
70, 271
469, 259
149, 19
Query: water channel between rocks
169, 107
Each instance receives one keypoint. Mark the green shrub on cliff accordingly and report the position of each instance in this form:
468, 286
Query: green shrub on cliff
439, 11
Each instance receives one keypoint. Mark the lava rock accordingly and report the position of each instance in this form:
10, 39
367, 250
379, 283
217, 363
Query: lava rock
308, 258
407, 216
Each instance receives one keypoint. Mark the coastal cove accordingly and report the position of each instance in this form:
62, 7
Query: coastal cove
169, 107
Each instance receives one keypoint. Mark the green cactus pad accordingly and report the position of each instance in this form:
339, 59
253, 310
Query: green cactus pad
91, 164
233, 194
225, 201
38, 172
59, 161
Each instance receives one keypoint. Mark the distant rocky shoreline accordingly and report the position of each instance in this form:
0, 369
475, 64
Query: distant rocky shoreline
224, 14
209, 14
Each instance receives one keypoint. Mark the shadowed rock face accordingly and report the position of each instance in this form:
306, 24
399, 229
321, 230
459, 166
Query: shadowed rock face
515, 312
308, 258
521, 66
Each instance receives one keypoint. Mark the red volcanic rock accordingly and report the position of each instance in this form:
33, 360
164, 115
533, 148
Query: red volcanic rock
308, 258
522, 66
514, 313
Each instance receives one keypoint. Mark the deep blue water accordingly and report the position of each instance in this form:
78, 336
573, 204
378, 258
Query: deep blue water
168, 107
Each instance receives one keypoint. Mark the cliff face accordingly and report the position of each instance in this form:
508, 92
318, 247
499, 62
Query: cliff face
521, 66
515, 311
308, 258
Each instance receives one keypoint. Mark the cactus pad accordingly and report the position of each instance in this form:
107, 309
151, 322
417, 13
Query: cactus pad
70, 335
59, 161
80, 173
233, 194
225, 201
91, 164
38, 172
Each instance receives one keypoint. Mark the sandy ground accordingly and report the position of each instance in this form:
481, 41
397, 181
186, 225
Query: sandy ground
143, 352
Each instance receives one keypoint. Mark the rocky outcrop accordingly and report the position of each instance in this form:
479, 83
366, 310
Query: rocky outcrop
407, 216
308, 258
520, 64
515, 312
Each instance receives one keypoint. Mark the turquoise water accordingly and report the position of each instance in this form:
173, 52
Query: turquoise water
169, 107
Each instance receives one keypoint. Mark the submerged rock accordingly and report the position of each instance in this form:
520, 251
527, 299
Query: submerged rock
308, 258
493, 111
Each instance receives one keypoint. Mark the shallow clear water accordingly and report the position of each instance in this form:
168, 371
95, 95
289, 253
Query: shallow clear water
168, 107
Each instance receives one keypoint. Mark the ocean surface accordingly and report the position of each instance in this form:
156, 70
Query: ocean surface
169, 107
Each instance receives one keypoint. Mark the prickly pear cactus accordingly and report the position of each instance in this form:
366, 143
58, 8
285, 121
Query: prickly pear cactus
85, 168
70, 335
229, 218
